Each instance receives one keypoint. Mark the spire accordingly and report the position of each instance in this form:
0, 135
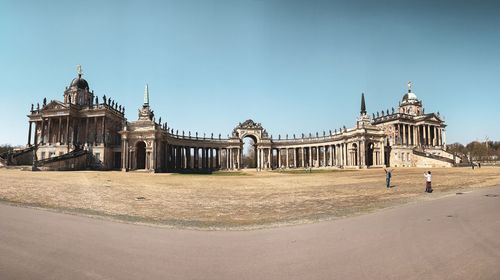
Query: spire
146, 96
363, 106
409, 86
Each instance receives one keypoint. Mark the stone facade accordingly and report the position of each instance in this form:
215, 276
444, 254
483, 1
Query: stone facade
403, 137
79, 122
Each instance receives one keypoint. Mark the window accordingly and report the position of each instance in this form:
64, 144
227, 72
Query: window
98, 156
43, 155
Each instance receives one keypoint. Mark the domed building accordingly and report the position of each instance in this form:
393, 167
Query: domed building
413, 137
84, 131
80, 132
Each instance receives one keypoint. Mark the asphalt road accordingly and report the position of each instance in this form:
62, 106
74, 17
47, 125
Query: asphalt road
457, 237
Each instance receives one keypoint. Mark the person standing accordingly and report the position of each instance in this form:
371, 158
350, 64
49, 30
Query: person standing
428, 182
388, 175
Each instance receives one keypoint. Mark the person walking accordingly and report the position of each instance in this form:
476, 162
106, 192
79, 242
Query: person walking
388, 175
428, 180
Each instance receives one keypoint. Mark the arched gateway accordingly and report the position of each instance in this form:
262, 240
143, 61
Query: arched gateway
405, 136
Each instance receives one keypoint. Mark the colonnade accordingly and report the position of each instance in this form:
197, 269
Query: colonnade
420, 135
185, 157
179, 157
67, 130
331, 155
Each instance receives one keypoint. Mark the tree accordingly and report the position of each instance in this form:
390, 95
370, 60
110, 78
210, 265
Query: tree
6, 148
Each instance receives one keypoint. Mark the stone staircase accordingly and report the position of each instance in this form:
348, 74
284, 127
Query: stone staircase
74, 160
17, 157
425, 154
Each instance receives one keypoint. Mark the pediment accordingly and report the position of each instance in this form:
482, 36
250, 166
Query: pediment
434, 118
54, 105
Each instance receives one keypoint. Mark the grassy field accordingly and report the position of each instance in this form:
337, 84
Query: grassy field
232, 200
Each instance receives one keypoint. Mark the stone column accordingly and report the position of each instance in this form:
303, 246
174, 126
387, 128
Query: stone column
318, 164
152, 165
294, 157
428, 132
205, 158
36, 134
239, 158
59, 140
104, 131
362, 154
347, 162
269, 157
287, 165
345, 157
278, 157
257, 154
404, 134
440, 141
341, 154
228, 163
29, 133
413, 138
49, 136
334, 155
338, 153
214, 160
330, 156
265, 158
43, 132
310, 157
324, 156
382, 154
302, 157
433, 128
124, 149
424, 135
217, 158
86, 130
209, 158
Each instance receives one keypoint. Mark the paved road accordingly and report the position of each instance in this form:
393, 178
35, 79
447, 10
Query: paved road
457, 237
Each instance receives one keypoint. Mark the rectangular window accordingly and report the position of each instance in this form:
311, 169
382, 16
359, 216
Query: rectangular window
98, 156
43, 155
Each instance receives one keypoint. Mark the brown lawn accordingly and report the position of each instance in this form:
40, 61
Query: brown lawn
232, 200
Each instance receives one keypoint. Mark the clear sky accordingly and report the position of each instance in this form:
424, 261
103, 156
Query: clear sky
294, 66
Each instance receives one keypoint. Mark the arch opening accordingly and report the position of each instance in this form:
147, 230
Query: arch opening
249, 152
141, 155
369, 154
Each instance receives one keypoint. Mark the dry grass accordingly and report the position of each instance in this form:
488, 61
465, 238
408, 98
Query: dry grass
239, 201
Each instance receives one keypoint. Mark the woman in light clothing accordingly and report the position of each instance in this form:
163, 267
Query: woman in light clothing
428, 180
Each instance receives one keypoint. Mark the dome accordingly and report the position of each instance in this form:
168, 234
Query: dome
409, 96
80, 83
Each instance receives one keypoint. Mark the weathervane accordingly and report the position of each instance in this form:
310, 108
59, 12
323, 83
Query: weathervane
79, 69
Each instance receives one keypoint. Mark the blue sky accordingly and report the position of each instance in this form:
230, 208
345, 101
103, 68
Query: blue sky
295, 66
